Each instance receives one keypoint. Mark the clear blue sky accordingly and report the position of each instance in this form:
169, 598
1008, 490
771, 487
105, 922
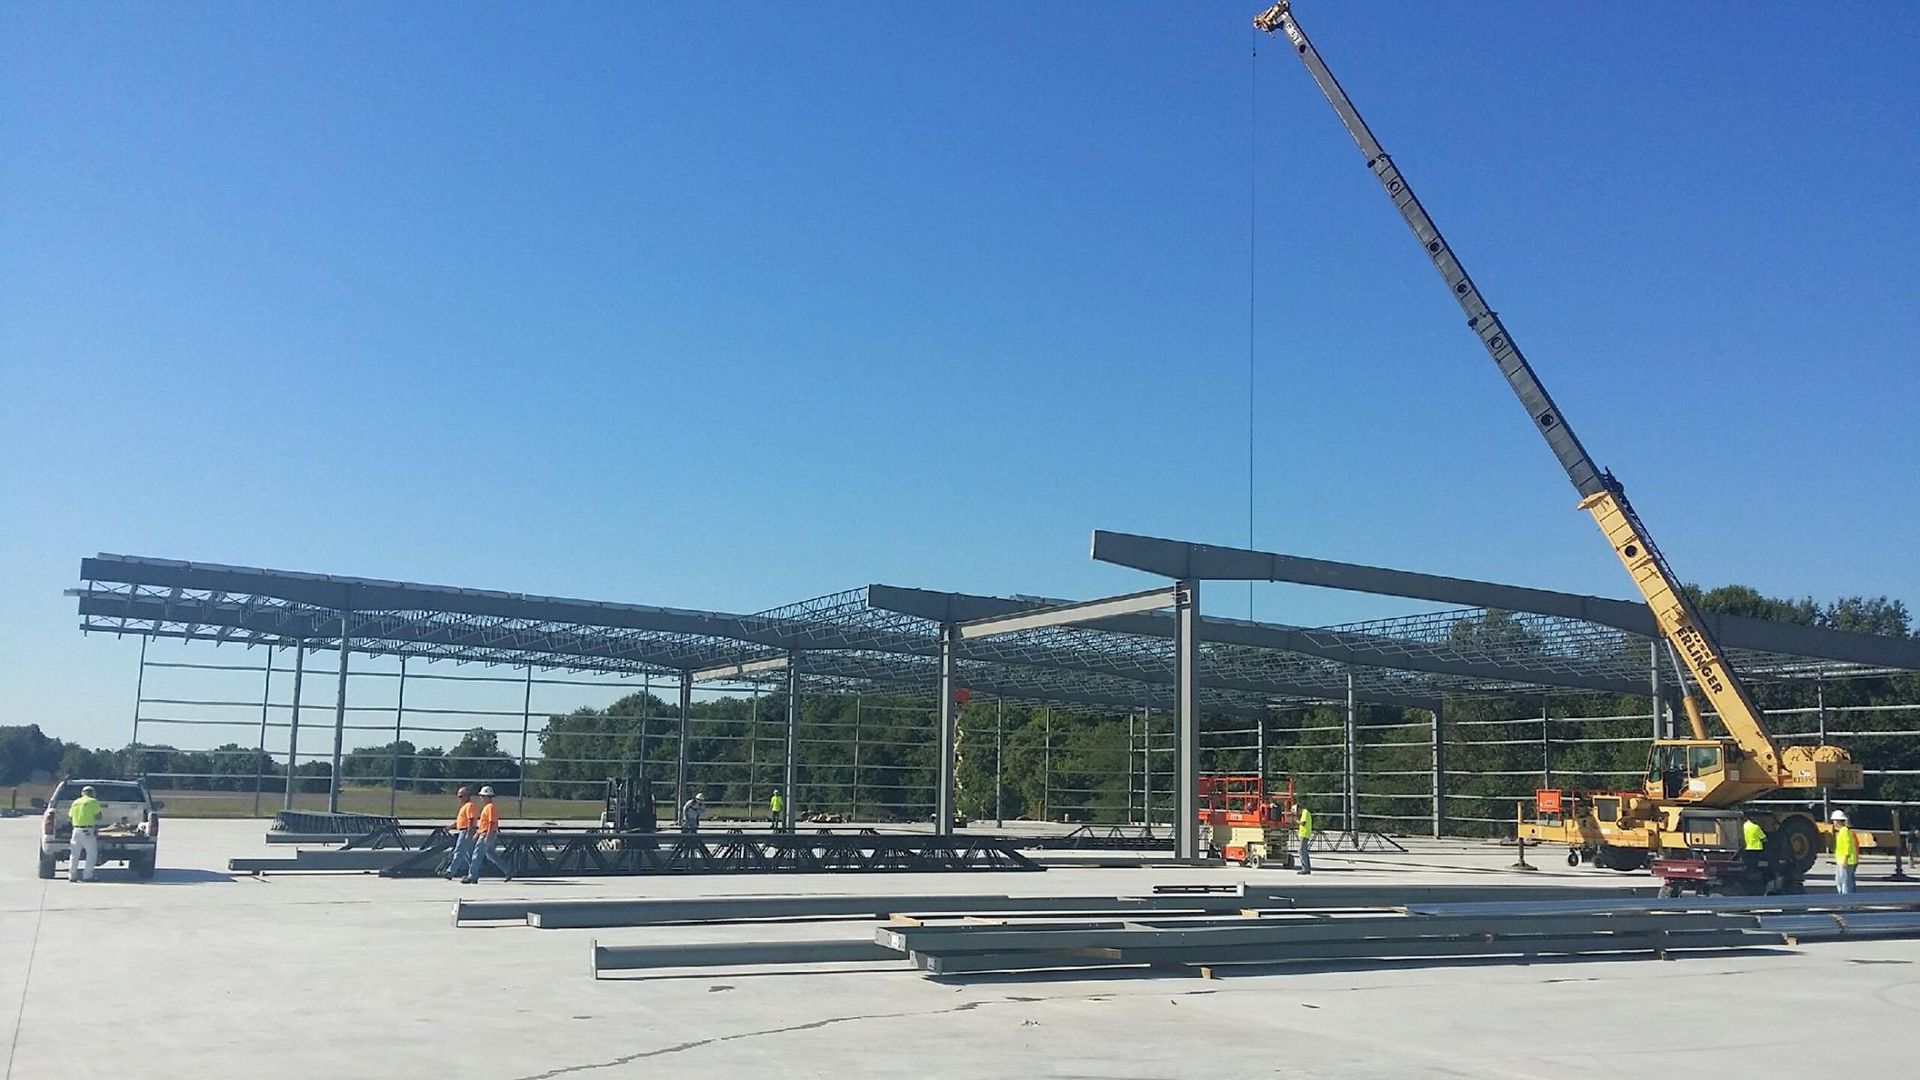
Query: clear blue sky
726, 309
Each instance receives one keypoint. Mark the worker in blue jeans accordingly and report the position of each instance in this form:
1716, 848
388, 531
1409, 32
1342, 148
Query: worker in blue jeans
462, 836
486, 840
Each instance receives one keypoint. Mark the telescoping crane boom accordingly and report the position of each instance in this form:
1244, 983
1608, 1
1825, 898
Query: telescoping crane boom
1700, 771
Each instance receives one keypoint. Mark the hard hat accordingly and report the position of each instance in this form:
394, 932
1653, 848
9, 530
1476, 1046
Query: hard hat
1839, 815
88, 790
463, 790
487, 791
701, 795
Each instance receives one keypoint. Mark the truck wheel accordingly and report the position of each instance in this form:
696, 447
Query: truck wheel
1609, 857
46, 868
1799, 840
142, 868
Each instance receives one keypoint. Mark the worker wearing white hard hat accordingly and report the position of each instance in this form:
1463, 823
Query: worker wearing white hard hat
1846, 853
486, 840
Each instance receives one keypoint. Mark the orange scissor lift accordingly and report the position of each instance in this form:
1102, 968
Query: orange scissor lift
1243, 823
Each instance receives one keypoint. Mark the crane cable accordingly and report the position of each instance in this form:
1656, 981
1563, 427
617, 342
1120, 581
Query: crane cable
1253, 174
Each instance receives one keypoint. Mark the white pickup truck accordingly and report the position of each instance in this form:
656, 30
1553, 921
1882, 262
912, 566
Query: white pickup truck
129, 825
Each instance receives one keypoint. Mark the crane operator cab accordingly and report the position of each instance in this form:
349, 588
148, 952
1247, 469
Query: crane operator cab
1688, 770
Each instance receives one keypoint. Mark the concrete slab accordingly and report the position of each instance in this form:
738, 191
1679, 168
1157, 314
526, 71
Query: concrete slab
349, 975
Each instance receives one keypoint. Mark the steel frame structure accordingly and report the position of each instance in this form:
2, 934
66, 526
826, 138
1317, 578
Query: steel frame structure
1151, 650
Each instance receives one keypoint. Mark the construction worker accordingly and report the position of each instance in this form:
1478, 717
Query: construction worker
1846, 853
1303, 829
775, 804
1753, 844
83, 849
463, 823
486, 840
690, 813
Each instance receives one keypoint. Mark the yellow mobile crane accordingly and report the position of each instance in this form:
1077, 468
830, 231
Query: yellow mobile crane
1686, 778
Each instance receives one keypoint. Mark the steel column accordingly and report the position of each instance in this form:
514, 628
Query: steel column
1820, 700
1350, 797
140, 687
293, 726
1653, 686
1260, 748
1439, 772
854, 812
683, 768
1130, 719
753, 747
1046, 764
339, 722
399, 713
1546, 744
999, 755
793, 741
526, 728
260, 754
1146, 766
943, 763
1186, 653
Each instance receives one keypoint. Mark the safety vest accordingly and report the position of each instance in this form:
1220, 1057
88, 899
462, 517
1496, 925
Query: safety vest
1846, 849
1755, 836
84, 812
1305, 828
774, 803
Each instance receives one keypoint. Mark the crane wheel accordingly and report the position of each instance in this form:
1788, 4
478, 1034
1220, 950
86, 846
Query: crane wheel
1799, 839
1573, 858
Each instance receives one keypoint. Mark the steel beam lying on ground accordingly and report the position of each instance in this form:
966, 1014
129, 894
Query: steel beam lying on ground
1836, 925
736, 954
590, 852
307, 861
1801, 902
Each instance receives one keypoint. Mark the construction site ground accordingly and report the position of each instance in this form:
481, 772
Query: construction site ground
206, 975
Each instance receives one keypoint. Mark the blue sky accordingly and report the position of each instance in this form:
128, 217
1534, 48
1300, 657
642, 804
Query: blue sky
726, 309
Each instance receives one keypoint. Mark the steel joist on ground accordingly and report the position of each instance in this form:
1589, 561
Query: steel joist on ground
592, 853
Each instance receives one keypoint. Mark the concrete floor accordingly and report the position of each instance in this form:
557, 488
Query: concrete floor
202, 975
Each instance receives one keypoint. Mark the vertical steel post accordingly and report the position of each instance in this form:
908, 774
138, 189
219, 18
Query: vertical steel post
293, 725
1047, 763
1546, 744
999, 755
1653, 685
526, 728
1820, 699
753, 748
1350, 797
1439, 770
1186, 658
339, 722
260, 754
853, 813
140, 689
683, 767
1129, 766
943, 780
1146, 765
792, 782
1260, 748
399, 712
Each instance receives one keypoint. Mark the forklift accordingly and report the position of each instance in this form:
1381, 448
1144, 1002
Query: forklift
1243, 824
629, 806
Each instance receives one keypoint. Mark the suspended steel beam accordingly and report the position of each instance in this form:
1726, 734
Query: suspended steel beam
1207, 562
729, 672
1074, 614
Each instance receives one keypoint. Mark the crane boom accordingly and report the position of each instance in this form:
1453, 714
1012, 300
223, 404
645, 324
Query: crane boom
1600, 495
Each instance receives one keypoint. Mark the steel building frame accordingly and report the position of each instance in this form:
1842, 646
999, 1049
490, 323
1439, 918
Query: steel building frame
1151, 650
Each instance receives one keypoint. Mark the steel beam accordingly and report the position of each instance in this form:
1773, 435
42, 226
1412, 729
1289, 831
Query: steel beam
293, 723
1206, 562
729, 672
683, 766
735, 954
791, 781
1076, 614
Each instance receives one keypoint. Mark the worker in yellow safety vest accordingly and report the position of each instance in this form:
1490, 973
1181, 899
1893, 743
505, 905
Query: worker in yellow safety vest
1846, 853
775, 804
1753, 845
83, 848
1304, 830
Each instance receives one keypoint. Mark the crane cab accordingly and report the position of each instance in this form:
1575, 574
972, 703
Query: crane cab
1692, 770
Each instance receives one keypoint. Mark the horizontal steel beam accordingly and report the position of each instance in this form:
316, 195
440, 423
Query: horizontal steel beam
1086, 611
722, 672
735, 954
1181, 559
